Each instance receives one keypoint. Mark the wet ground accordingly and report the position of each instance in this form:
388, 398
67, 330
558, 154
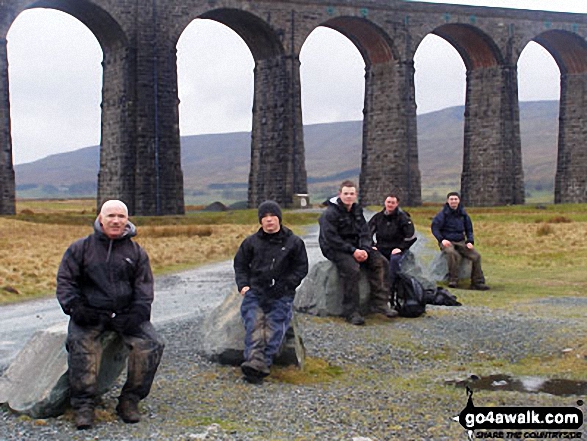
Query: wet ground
555, 386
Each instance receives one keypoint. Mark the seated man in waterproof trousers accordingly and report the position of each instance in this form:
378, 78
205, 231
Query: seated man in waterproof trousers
269, 265
104, 283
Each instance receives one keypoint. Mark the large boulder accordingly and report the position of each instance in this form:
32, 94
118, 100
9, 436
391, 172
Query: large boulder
439, 268
321, 292
224, 336
413, 268
36, 383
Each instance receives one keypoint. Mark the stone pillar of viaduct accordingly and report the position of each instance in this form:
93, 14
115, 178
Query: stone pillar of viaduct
158, 179
277, 146
7, 190
571, 174
390, 154
492, 158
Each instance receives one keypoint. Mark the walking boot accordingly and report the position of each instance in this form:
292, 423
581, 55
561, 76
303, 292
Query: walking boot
479, 286
84, 418
355, 319
254, 371
128, 410
385, 310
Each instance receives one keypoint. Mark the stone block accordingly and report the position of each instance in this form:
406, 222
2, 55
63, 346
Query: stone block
439, 268
224, 336
36, 382
321, 292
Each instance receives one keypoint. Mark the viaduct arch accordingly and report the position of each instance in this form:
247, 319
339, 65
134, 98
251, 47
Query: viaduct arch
140, 151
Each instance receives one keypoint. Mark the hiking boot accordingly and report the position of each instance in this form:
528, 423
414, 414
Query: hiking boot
386, 311
128, 411
254, 371
355, 319
479, 286
452, 284
84, 418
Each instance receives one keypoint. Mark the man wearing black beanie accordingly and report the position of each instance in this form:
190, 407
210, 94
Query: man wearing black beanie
268, 267
453, 229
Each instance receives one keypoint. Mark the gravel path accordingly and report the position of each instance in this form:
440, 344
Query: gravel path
390, 381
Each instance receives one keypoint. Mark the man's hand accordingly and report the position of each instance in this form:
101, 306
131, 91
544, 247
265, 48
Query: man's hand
360, 255
470, 245
396, 251
446, 243
244, 290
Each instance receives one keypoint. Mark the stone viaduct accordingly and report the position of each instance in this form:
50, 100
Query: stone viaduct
140, 144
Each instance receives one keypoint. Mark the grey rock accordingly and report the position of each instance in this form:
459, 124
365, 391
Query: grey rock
439, 268
224, 336
321, 292
413, 268
36, 384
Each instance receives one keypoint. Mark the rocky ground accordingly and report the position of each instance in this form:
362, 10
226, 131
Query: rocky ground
390, 379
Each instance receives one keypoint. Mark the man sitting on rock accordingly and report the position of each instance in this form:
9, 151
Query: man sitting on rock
104, 283
394, 233
345, 239
453, 229
268, 266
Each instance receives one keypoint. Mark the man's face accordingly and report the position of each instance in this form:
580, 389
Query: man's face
270, 223
113, 220
391, 204
453, 202
348, 196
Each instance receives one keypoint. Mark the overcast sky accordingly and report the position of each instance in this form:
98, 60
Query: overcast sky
55, 78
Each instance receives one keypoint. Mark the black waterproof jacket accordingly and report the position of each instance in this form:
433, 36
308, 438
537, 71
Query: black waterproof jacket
453, 225
271, 264
106, 274
393, 230
342, 230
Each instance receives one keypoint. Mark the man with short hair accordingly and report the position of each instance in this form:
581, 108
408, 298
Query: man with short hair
394, 233
453, 229
105, 283
269, 266
345, 239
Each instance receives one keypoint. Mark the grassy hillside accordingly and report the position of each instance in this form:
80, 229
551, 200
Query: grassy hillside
216, 167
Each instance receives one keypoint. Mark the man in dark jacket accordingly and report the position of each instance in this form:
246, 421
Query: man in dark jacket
105, 283
269, 265
346, 240
394, 233
453, 229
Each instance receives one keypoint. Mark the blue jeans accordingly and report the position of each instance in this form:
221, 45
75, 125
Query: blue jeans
266, 321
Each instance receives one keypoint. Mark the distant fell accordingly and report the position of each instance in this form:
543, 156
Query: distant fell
216, 166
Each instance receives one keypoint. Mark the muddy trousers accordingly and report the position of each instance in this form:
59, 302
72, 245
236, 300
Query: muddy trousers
349, 272
265, 321
455, 254
84, 349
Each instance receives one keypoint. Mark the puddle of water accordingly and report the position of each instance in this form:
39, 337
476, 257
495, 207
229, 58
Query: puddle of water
525, 384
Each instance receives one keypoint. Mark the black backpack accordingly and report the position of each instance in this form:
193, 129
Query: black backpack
442, 297
410, 300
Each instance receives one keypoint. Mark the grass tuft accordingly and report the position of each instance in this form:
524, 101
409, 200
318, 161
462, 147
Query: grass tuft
544, 230
315, 371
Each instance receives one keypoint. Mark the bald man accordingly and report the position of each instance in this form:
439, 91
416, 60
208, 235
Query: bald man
105, 283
